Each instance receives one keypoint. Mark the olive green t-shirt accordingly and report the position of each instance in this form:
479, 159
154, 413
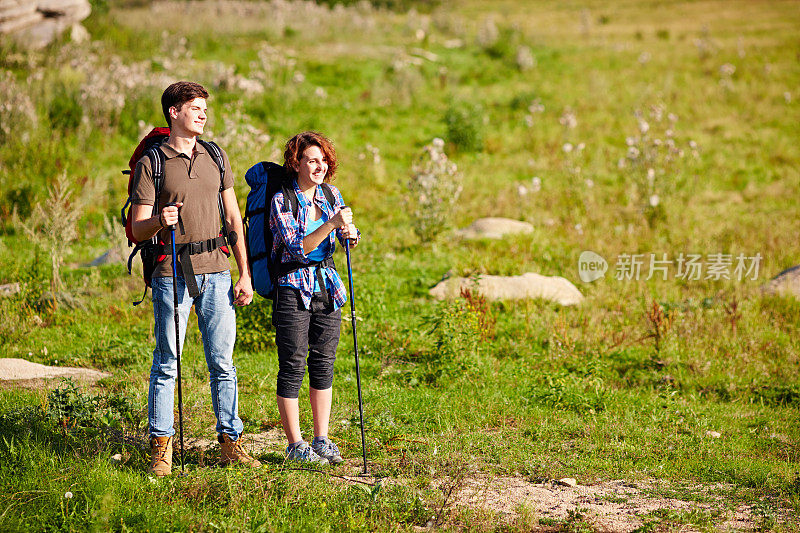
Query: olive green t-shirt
196, 183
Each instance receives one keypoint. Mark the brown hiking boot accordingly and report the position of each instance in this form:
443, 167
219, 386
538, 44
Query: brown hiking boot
233, 453
160, 456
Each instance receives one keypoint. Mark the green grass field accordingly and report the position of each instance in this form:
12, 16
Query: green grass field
623, 128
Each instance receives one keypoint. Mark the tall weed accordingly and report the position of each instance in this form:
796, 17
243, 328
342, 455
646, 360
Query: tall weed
434, 189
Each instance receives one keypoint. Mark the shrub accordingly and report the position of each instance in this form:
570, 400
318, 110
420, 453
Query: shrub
458, 326
464, 127
434, 190
52, 227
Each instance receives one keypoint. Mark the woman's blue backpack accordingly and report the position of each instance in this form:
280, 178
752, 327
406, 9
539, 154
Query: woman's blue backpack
265, 180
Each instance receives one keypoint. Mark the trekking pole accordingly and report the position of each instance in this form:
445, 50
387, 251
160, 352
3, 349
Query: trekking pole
177, 341
355, 347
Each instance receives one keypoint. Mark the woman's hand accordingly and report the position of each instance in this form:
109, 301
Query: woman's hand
342, 218
350, 233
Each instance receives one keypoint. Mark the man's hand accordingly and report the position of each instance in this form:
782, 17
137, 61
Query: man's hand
243, 291
169, 215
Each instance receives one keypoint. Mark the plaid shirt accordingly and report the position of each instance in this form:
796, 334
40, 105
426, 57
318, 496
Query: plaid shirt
290, 232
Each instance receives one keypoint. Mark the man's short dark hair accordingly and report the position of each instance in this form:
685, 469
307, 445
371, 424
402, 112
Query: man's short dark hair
178, 94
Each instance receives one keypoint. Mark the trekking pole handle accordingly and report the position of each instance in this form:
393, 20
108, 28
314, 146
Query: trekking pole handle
352, 240
173, 227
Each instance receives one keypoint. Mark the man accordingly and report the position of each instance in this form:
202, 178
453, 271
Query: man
189, 193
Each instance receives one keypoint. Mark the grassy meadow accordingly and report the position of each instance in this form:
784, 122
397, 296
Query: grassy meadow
624, 128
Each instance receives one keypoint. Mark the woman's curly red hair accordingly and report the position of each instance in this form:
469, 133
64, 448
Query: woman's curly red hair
298, 144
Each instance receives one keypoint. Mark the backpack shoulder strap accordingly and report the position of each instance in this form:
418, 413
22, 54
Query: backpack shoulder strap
290, 197
157, 160
326, 189
216, 154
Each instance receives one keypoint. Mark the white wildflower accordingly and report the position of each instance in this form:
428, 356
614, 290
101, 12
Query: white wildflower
644, 127
727, 69
522, 190
568, 119
298, 77
567, 147
654, 199
68, 495
589, 183
525, 59
536, 184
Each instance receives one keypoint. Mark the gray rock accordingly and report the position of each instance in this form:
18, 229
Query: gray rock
22, 370
787, 283
494, 228
111, 257
36, 23
9, 289
11, 25
526, 286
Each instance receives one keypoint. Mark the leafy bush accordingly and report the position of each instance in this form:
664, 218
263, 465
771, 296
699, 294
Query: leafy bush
464, 127
457, 327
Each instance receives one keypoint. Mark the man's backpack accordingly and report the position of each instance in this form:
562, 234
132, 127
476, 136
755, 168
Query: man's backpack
267, 179
152, 251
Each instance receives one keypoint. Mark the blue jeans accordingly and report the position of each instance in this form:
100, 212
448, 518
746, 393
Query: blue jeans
217, 321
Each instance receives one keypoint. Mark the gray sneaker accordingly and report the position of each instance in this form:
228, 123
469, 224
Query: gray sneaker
305, 454
325, 448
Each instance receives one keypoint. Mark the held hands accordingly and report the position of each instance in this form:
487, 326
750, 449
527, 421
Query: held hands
169, 215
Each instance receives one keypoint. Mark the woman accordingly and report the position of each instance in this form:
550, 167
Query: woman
307, 307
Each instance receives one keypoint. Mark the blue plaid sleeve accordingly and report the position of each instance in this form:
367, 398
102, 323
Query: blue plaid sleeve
286, 230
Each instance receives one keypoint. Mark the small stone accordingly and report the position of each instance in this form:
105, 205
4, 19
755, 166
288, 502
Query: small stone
713, 434
568, 482
116, 458
9, 289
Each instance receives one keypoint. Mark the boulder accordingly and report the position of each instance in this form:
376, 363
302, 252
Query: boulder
787, 283
36, 23
494, 228
21, 370
526, 286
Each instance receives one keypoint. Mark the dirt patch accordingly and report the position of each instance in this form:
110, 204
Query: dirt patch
22, 373
617, 506
255, 443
